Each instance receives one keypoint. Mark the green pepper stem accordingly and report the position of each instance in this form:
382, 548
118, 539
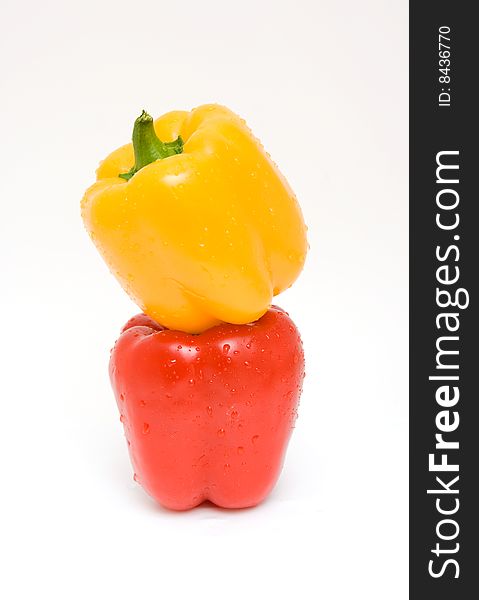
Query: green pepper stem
148, 147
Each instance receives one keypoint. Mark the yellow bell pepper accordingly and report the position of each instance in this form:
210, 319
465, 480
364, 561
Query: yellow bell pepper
203, 228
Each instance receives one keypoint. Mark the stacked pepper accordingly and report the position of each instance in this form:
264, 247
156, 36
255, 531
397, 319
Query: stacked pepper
201, 230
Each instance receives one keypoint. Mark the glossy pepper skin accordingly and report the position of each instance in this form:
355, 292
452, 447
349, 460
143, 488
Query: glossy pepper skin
204, 236
209, 416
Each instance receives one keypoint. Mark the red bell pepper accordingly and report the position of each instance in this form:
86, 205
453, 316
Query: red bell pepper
208, 416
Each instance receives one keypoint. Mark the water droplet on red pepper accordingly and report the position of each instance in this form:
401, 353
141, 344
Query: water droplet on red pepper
146, 428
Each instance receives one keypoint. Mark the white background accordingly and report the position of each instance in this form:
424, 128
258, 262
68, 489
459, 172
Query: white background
323, 83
